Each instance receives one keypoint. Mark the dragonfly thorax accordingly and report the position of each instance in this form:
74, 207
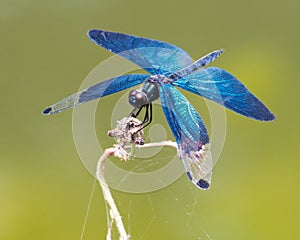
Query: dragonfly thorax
159, 79
149, 93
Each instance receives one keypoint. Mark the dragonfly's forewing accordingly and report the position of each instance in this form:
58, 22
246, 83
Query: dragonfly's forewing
154, 56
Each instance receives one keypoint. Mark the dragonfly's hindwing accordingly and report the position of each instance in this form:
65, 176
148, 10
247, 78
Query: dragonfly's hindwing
220, 86
190, 134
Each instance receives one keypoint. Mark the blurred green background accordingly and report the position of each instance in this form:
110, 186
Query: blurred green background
45, 55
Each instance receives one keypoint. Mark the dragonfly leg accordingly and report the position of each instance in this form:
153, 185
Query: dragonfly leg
148, 117
132, 114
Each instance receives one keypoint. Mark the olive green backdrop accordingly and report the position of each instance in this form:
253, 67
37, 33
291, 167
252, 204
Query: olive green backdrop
45, 55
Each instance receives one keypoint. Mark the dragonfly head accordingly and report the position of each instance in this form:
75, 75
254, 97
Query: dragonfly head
138, 98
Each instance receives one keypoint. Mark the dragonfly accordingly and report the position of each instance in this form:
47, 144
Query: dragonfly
169, 67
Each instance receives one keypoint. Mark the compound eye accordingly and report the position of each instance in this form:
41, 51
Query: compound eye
139, 96
132, 93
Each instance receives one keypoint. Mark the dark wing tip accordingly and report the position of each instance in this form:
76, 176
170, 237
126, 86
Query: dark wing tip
203, 184
47, 111
270, 117
265, 116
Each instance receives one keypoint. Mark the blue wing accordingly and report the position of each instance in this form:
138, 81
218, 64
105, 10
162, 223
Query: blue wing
220, 86
154, 56
98, 90
190, 134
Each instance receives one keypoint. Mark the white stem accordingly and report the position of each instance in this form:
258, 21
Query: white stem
115, 215
113, 210
159, 144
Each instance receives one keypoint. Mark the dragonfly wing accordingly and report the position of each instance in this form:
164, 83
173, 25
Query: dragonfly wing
190, 134
154, 56
220, 86
98, 90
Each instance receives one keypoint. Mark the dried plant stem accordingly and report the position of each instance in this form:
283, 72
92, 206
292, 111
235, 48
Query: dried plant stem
113, 210
114, 214
160, 144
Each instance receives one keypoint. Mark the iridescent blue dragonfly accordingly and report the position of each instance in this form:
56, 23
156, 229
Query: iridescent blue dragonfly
170, 67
